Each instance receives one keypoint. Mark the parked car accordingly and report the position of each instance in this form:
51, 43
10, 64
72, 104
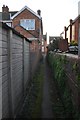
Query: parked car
73, 49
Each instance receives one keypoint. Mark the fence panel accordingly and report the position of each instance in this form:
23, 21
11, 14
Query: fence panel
5, 76
14, 71
17, 71
26, 63
17, 66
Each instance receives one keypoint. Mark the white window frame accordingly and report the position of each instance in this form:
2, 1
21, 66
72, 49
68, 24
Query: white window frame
42, 48
25, 23
42, 42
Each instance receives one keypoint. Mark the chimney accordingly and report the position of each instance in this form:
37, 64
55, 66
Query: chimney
71, 21
71, 29
5, 9
65, 32
39, 12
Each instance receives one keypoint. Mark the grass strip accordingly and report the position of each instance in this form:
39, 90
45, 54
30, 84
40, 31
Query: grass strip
32, 105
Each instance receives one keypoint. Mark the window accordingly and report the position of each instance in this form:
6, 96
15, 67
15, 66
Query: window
9, 24
42, 42
28, 24
42, 49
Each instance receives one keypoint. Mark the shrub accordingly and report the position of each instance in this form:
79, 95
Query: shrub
73, 43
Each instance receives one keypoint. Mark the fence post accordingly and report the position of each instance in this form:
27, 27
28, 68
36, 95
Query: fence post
23, 66
79, 31
10, 34
1, 73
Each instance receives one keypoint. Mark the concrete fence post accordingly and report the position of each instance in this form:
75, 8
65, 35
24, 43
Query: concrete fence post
23, 64
10, 34
1, 74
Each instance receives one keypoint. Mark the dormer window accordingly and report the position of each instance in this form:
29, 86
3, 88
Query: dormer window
28, 24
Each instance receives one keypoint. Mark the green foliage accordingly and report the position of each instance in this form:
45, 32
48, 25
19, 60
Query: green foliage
75, 66
57, 63
54, 45
37, 106
73, 43
32, 105
78, 79
57, 66
68, 102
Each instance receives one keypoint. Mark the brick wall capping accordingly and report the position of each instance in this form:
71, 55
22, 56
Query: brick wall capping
68, 55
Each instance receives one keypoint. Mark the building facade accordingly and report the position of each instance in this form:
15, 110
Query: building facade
26, 22
72, 31
44, 43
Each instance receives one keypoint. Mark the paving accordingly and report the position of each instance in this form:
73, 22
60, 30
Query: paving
49, 97
46, 103
52, 107
50, 104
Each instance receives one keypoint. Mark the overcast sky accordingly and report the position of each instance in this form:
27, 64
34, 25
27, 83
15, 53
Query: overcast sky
55, 13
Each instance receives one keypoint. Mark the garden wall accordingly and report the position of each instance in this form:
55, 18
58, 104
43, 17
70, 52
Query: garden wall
66, 71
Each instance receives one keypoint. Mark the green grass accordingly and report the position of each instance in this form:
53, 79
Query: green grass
32, 106
36, 113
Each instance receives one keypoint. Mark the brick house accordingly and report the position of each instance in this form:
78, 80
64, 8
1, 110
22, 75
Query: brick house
72, 31
26, 22
29, 24
44, 43
52, 38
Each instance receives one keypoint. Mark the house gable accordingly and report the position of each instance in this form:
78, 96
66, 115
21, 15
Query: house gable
25, 15
34, 34
15, 15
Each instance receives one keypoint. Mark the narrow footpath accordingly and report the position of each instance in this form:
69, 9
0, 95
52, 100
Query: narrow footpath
46, 103
43, 100
52, 106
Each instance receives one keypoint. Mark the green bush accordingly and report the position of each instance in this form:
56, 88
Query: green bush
73, 43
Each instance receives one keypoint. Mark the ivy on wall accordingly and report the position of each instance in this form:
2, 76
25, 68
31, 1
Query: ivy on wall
75, 68
57, 63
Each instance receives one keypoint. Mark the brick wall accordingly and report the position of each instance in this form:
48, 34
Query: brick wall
34, 34
34, 46
45, 46
27, 15
71, 66
76, 30
63, 45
